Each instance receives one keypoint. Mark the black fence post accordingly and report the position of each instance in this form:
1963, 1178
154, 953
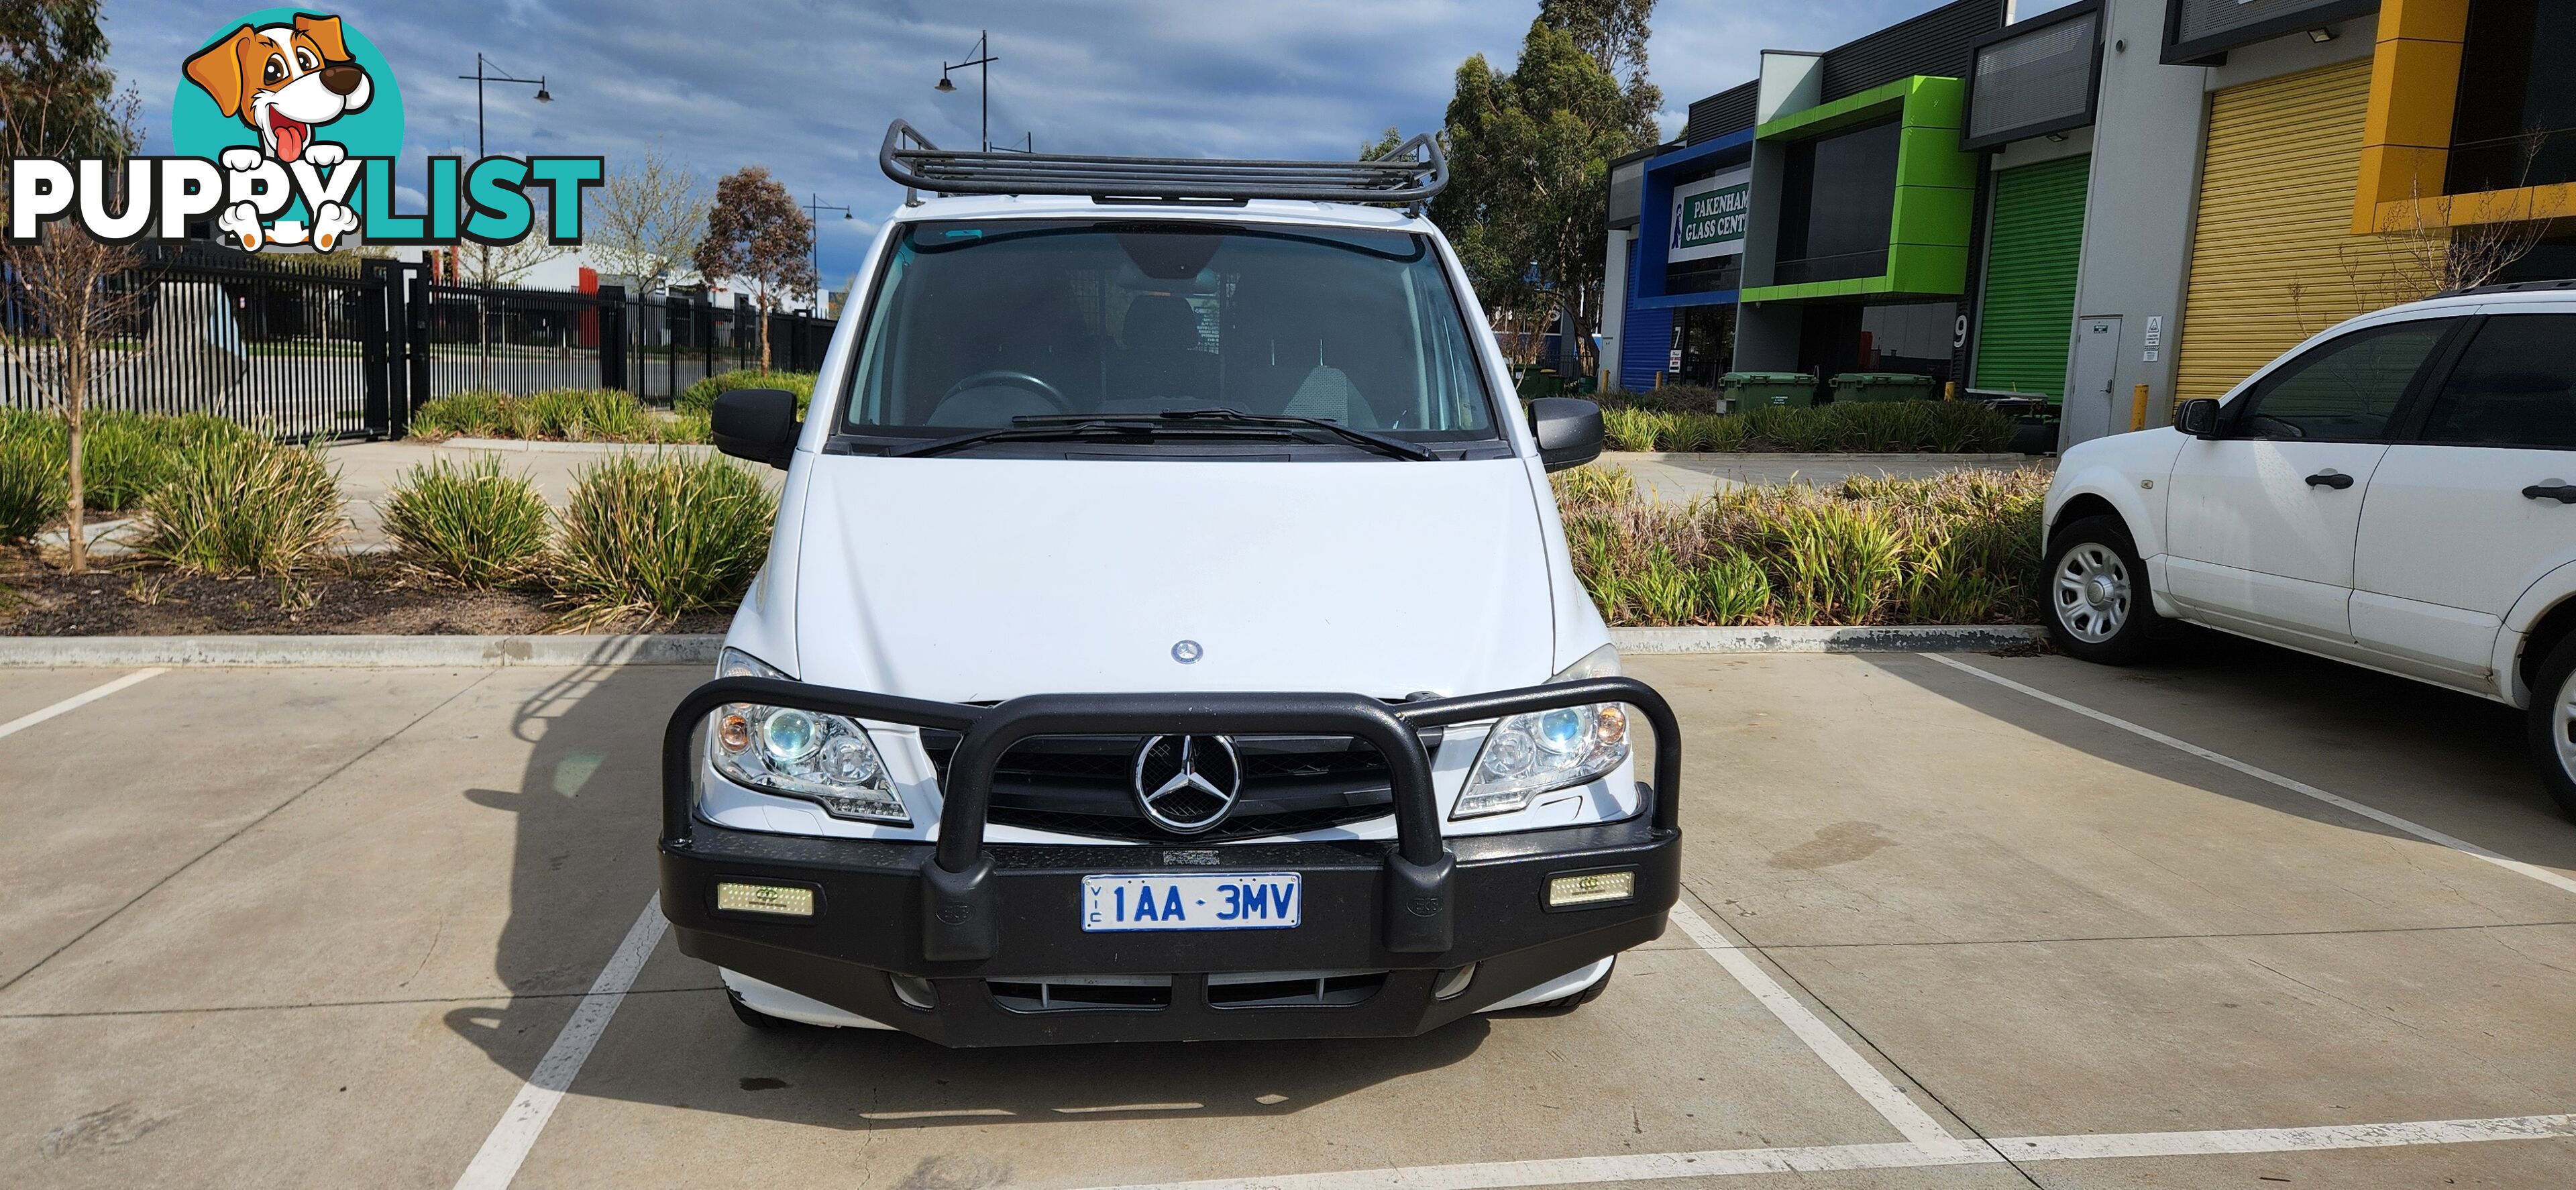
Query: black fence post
376, 306
416, 312
611, 333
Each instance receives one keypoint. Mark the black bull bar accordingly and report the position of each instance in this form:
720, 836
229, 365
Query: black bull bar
960, 921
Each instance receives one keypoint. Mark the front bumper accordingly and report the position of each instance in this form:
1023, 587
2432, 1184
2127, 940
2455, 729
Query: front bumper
966, 917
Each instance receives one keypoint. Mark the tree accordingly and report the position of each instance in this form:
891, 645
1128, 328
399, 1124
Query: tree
647, 223
58, 99
756, 233
1530, 152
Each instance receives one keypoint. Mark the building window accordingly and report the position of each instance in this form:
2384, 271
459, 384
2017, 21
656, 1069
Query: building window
2515, 124
2032, 82
1837, 200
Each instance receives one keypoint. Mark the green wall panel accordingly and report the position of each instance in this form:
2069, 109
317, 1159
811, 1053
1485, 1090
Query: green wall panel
2027, 317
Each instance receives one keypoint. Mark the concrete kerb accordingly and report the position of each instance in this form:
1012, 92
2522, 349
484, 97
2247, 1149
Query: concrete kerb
701, 649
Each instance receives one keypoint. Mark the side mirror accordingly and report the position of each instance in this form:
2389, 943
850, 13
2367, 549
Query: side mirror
2197, 418
758, 424
1568, 431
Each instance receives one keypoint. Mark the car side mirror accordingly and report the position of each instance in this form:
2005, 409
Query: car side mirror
2198, 418
758, 424
1568, 431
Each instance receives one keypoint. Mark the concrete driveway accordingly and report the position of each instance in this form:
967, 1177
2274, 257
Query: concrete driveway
1955, 921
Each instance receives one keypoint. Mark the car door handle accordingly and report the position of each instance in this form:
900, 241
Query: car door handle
2330, 479
2563, 493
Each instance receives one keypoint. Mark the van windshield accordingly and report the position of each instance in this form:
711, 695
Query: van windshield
977, 324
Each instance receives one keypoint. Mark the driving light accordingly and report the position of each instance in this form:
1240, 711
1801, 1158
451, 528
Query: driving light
784, 900
1527, 755
1591, 888
824, 759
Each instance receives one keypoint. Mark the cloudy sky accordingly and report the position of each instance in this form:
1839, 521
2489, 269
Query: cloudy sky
806, 87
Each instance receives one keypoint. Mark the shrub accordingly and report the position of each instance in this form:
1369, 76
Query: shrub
469, 523
701, 397
244, 505
125, 457
656, 537
474, 413
1671, 398
1951, 427
557, 414
31, 485
1962, 548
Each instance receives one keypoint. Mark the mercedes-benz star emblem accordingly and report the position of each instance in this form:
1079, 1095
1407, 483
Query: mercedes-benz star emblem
1187, 652
1187, 783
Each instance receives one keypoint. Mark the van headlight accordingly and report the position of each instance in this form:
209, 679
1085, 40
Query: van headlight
1527, 755
824, 759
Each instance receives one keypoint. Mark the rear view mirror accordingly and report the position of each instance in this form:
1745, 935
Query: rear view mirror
2198, 418
758, 424
1568, 431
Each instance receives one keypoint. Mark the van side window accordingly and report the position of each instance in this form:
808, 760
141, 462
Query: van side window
2514, 386
2344, 390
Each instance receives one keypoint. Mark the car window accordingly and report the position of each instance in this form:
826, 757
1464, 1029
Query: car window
2514, 386
976, 324
2344, 390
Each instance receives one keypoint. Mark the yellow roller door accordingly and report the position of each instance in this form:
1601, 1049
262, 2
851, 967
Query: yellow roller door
2273, 257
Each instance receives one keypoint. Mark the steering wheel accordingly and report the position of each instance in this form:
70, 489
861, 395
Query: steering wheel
1008, 379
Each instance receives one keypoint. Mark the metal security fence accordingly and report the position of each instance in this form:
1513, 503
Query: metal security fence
678, 340
287, 352
301, 351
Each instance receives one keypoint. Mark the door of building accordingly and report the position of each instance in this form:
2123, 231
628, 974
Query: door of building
2034, 242
2087, 409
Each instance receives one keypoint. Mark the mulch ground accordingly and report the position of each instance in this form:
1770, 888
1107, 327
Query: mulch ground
354, 596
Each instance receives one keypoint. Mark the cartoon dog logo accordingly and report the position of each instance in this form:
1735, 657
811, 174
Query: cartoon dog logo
285, 82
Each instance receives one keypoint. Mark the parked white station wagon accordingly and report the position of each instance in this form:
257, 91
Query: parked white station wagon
2399, 492
1167, 633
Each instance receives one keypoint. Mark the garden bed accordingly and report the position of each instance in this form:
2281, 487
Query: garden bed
358, 595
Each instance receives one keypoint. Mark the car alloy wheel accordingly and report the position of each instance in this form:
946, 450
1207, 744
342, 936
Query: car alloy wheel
2562, 726
2093, 592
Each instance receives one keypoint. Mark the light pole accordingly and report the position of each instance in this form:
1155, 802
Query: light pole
478, 78
483, 252
983, 63
814, 207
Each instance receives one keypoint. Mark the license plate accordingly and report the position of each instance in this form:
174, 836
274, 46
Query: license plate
1209, 901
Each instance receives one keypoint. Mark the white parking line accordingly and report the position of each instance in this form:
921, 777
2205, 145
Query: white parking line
2302, 788
498, 1160
1647, 1167
77, 701
1882, 1093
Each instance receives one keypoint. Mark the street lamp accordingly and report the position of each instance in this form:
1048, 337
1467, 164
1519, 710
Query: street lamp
982, 62
483, 252
478, 78
814, 207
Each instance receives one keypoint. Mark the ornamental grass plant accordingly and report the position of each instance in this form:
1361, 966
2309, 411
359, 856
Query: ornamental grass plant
1963, 548
235, 506
467, 523
651, 538
554, 415
1947, 427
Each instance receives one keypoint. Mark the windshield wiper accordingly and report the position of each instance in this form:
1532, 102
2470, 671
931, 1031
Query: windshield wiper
1381, 443
1064, 428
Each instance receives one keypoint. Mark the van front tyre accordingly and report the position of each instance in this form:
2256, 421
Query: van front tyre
2097, 604
2553, 725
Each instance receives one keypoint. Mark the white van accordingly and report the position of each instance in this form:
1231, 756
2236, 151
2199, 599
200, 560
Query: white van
1167, 633
2398, 492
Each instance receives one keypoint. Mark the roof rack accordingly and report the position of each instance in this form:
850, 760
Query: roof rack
1410, 173
2507, 287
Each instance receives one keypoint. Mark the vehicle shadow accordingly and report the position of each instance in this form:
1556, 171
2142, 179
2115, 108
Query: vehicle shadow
2354, 732
587, 810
